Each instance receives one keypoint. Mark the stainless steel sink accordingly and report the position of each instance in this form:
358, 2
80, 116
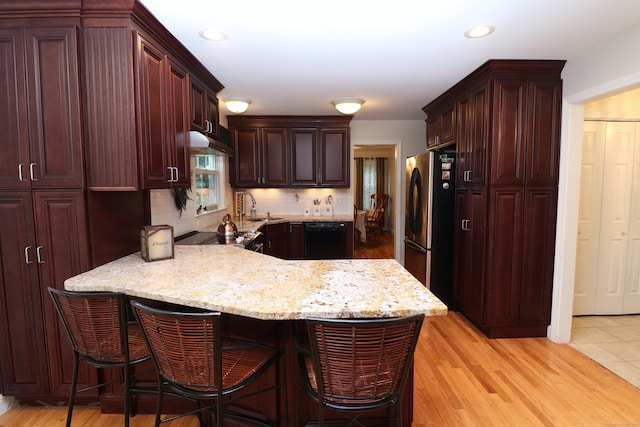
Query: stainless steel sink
261, 218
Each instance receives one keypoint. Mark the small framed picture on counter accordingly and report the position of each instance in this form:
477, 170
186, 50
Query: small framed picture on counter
156, 242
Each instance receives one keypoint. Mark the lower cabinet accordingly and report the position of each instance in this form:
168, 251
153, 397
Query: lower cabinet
296, 240
503, 270
277, 240
43, 241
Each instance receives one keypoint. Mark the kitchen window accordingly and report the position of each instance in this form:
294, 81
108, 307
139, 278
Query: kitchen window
209, 180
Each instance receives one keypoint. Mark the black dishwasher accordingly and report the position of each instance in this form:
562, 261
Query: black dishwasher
326, 240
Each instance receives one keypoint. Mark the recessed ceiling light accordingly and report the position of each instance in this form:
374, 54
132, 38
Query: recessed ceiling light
213, 35
478, 31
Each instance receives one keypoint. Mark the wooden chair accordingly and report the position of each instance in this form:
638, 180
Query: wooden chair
199, 364
357, 365
375, 221
96, 323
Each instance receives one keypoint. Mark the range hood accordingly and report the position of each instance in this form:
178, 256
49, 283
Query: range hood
200, 143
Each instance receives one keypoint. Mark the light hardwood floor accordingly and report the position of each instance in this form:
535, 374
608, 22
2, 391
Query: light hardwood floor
464, 379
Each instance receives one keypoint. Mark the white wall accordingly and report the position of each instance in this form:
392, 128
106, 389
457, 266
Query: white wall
609, 67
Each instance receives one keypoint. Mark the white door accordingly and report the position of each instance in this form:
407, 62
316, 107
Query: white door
608, 253
632, 290
593, 142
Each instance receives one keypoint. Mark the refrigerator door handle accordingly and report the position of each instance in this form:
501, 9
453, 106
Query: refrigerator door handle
413, 245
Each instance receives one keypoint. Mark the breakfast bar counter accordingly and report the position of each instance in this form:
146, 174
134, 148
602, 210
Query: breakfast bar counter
232, 280
258, 290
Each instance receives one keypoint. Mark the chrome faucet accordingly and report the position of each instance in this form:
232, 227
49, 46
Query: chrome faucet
240, 195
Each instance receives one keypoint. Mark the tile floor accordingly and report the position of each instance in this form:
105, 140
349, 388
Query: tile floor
612, 341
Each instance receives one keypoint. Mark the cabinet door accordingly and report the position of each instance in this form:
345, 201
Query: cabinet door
23, 356
177, 135
304, 172
463, 135
277, 240
54, 108
432, 130
478, 142
198, 105
334, 158
246, 160
504, 256
470, 243
62, 252
446, 123
543, 132
538, 255
274, 157
14, 133
213, 115
296, 240
155, 163
509, 132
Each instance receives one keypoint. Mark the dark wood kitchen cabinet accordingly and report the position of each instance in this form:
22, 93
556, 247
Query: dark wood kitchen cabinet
144, 111
205, 115
40, 108
320, 157
507, 144
260, 156
302, 151
71, 105
441, 126
43, 241
296, 240
277, 240
164, 94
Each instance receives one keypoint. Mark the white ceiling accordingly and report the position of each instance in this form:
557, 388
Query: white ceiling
292, 57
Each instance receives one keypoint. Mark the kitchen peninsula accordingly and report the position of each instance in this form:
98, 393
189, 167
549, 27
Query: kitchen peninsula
249, 286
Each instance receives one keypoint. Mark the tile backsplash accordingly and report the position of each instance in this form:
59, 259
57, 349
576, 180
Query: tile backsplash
286, 201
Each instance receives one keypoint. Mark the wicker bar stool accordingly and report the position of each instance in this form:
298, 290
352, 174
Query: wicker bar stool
96, 323
357, 365
199, 364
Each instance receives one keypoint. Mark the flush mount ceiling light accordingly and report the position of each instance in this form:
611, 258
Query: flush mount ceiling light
213, 35
478, 31
348, 105
237, 105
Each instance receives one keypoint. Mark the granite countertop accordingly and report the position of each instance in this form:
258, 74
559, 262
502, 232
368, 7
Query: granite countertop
236, 281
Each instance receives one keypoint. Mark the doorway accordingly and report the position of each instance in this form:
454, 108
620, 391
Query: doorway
607, 276
383, 150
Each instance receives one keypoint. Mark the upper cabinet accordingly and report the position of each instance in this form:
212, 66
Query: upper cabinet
40, 108
441, 126
143, 112
290, 151
163, 103
205, 115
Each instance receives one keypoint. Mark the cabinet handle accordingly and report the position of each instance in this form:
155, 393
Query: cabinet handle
465, 225
20, 172
170, 174
27, 259
31, 171
39, 255
177, 178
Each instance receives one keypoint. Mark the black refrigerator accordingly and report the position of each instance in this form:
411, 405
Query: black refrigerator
429, 219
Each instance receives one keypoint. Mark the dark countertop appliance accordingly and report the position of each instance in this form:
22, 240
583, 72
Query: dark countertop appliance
251, 241
326, 240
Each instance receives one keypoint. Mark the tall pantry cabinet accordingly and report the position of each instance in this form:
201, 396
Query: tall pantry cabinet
507, 136
43, 234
